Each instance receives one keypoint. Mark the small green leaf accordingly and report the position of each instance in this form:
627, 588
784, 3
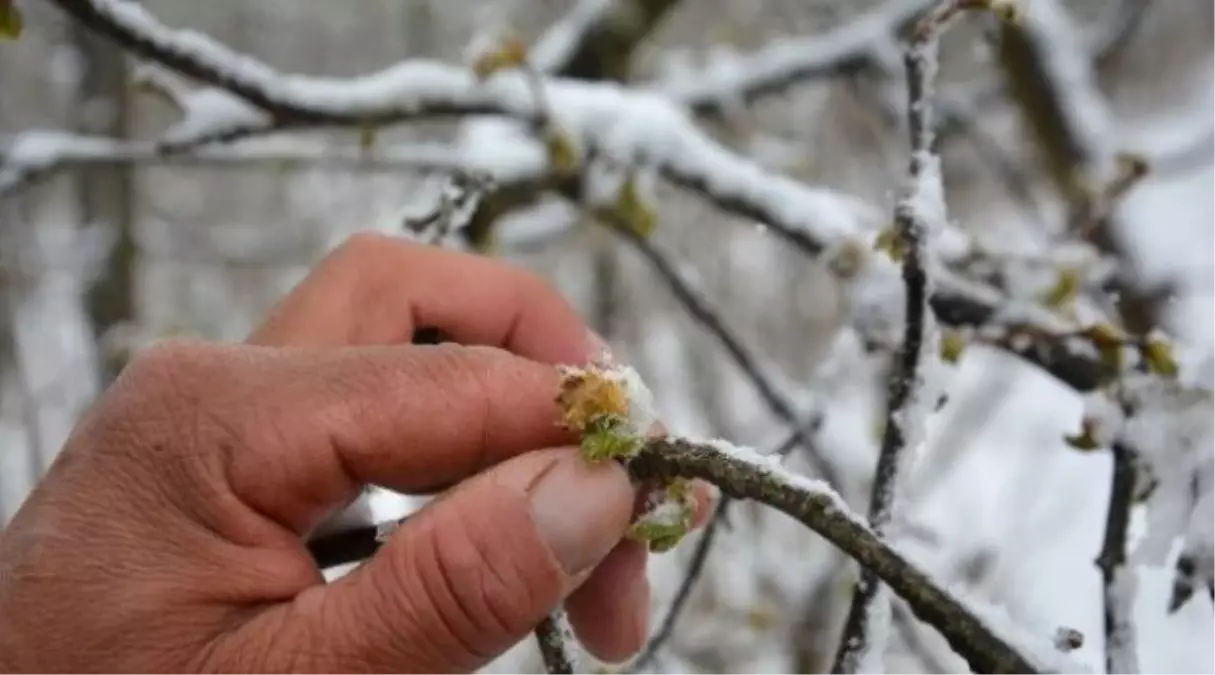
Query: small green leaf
952, 346
1065, 290
667, 521
1007, 11
606, 441
659, 536
1109, 342
1158, 355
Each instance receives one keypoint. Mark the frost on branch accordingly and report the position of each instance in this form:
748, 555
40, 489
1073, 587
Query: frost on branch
555, 639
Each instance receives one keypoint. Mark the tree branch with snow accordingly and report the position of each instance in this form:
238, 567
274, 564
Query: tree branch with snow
631, 127
919, 215
1050, 76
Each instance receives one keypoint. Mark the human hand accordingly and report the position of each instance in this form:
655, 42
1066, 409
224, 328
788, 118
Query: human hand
169, 535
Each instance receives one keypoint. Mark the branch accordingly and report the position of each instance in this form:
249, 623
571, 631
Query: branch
745, 474
596, 39
33, 154
1117, 578
919, 213
695, 567
1048, 70
708, 318
554, 637
629, 127
782, 63
748, 475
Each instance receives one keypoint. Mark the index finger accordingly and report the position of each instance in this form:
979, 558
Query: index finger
378, 290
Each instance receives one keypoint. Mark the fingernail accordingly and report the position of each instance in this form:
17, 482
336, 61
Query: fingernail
581, 510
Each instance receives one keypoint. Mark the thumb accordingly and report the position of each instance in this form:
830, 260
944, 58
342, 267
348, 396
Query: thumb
471, 574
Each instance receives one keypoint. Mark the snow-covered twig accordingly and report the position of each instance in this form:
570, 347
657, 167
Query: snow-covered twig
629, 126
746, 474
458, 199
782, 63
554, 637
743, 473
1118, 587
1049, 72
666, 627
35, 153
917, 216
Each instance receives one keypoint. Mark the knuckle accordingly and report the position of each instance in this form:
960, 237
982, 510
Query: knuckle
479, 591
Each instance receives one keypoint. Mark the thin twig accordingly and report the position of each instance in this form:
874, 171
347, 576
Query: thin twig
1119, 635
553, 636
708, 317
825, 512
262, 99
912, 224
34, 154
743, 474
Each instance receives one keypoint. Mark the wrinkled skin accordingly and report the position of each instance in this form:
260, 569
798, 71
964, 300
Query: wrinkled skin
169, 533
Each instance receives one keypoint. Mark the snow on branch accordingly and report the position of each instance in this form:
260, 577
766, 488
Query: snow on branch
613, 409
918, 216
745, 474
785, 62
1049, 73
32, 154
631, 127
554, 638
1118, 578
628, 127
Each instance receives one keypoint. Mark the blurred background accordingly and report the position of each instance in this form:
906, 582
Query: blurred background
98, 260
